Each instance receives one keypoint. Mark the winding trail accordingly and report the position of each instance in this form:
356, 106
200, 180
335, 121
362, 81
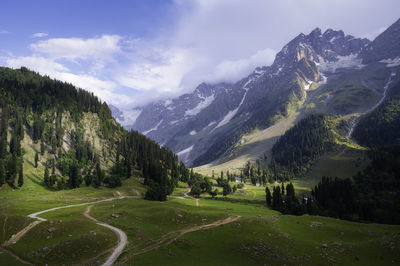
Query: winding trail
123, 240
14, 238
355, 120
9, 252
186, 196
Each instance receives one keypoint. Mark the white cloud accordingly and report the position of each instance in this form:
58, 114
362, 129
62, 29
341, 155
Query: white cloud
211, 41
78, 48
39, 35
4, 32
373, 34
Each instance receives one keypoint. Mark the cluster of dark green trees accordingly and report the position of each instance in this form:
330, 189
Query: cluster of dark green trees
284, 200
38, 104
256, 175
300, 146
200, 184
371, 195
159, 166
11, 154
380, 127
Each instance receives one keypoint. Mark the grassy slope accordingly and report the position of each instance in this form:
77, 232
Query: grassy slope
250, 148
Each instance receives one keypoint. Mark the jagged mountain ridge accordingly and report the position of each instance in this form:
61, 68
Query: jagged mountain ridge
257, 101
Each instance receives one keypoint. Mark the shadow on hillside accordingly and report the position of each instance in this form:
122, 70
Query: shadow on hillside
35, 180
245, 201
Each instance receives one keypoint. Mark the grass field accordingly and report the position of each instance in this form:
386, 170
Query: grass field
234, 230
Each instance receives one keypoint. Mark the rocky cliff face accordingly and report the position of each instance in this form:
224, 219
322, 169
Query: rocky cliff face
202, 125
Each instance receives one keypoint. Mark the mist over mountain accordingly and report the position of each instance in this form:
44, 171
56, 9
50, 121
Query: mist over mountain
203, 125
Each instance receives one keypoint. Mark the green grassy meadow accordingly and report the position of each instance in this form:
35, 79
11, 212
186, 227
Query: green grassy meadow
171, 233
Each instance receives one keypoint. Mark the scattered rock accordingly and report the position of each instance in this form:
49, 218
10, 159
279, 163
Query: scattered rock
336, 244
51, 230
180, 215
48, 237
324, 245
204, 219
115, 215
315, 225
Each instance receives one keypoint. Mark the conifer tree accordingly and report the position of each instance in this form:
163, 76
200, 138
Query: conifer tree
46, 178
277, 202
36, 159
2, 174
21, 175
268, 196
42, 148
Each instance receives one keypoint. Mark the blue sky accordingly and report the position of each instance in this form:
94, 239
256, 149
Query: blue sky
130, 52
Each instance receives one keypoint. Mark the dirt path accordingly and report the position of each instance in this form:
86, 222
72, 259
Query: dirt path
35, 215
87, 215
122, 236
14, 238
15, 256
4, 226
173, 236
186, 196
123, 239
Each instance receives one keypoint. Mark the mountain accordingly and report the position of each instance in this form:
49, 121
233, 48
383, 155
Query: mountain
204, 125
384, 47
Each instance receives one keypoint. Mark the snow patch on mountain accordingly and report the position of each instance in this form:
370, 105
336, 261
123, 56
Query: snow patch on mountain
167, 102
228, 117
152, 129
391, 62
323, 79
130, 117
349, 61
192, 133
308, 85
203, 104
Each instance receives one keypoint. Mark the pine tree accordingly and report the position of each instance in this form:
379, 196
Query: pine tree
268, 196
277, 202
46, 178
36, 159
11, 171
42, 148
2, 174
21, 175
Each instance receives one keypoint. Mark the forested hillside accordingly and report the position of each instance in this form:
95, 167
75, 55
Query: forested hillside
73, 136
381, 127
301, 145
